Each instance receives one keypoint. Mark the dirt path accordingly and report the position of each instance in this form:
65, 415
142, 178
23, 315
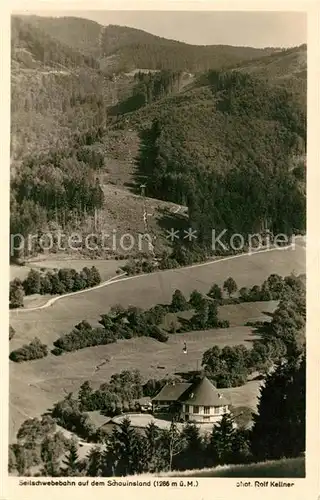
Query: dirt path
120, 277
55, 299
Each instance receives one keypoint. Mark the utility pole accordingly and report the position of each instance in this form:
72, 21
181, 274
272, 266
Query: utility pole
145, 215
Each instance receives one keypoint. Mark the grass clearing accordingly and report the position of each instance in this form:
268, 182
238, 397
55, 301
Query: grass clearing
123, 213
150, 289
36, 385
285, 468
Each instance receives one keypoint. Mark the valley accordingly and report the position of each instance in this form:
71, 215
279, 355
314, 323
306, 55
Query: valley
117, 135
43, 382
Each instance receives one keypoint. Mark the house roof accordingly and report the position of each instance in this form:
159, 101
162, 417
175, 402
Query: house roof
172, 392
97, 419
204, 393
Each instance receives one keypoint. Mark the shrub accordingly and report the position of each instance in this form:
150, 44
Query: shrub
156, 333
215, 292
244, 294
84, 337
16, 294
57, 351
34, 350
255, 294
224, 323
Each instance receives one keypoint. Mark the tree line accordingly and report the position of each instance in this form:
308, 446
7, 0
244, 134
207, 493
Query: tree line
56, 282
148, 87
281, 340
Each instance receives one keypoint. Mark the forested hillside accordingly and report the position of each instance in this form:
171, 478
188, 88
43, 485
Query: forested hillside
120, 48
232, 149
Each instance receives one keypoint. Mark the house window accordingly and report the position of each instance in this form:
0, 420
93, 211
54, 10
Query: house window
216, 410
206, 419
196, 409
206, 410
187, 409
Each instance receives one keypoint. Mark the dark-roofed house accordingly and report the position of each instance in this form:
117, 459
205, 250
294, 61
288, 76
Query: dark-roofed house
168, 395
199, 402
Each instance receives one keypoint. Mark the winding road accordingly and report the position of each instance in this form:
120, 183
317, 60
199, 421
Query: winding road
123, 277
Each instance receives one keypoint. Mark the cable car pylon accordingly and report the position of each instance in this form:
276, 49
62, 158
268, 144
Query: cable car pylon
145, 218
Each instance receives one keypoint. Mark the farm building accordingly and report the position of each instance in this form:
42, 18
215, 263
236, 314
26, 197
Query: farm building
200, 402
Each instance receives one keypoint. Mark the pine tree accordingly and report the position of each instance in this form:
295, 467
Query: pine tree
196, 299
212, 314
51, 450
94, 463
200, 319
241, 447
85, 396
95, 276
192, 455
125, 451
279, 425
153, 455
220, 446
72, 464
179, 302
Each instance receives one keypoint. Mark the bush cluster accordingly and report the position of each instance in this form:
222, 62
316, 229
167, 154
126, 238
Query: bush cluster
119, 323
34, 350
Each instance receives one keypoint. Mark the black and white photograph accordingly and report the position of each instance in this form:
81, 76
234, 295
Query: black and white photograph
157, 295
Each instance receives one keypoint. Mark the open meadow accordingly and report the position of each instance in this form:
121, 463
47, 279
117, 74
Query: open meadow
36, 385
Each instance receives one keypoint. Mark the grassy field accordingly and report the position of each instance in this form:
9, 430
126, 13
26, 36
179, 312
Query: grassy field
123, 213
36, 385
284, 468
150, 289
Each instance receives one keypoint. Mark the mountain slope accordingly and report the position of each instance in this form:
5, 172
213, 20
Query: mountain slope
287, 68
32, 47
229, 144
78, 34
121, 48
230, 149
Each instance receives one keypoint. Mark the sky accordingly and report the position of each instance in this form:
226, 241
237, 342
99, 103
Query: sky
256, 29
